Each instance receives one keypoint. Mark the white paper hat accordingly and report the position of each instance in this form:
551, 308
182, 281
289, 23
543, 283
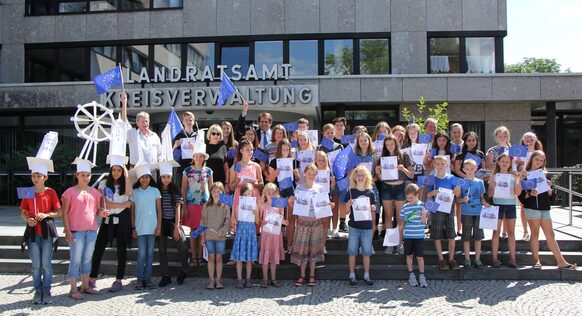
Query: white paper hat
116, 160
143, 169
200, 148
166, 167
40, 165
83, 165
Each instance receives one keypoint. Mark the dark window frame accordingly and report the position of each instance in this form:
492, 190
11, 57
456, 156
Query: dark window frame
30, 7
496, 35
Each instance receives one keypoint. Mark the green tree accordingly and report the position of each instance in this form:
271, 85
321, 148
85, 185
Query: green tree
424, 111
374, 56
535, 65
340, 64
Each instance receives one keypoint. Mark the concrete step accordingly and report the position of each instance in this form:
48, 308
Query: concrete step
334, 271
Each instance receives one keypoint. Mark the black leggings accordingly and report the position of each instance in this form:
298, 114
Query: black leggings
101, 243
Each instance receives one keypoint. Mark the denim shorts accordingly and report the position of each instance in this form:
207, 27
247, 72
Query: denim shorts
215, 246
360, 238
537, 214
507, 212
393, 192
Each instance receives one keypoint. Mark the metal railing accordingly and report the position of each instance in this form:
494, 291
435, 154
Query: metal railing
566, 175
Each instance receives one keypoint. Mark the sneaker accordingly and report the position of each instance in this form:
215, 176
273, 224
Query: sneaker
388, 250
478, 264
443, 265
343, 227
422, 281
399, 249
166, 279
454, 265
467, 264
239, 284
412, 279
526, 237
373, 251
138, 285
116, 286
181, 277
149, 284
353, 282
37, 298
47, 297
329, 233
368, 282
336, 234
248, 283
93, 285
324, 250
230, 263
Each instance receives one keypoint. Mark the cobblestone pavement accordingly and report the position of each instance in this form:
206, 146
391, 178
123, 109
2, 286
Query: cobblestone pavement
327, 298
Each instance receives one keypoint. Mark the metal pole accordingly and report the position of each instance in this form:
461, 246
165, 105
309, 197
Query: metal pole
570, 196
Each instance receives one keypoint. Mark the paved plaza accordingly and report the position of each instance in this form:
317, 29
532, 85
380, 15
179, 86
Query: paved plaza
327, 298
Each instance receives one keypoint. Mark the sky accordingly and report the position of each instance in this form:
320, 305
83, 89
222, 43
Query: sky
545, 29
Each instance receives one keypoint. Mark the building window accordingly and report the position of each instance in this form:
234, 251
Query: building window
135, 58
374, 56
303, 57
480, 54
167, 55
339, 57
43, 7
200, 55
444, 55
103, 58
63, 64
268, 53
235, 54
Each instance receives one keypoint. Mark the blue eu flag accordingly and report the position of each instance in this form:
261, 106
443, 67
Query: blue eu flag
227, 88
25, 192
175, 124
108, 80
345, 161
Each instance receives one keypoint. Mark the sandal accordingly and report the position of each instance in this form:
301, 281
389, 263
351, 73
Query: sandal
89, 291
211, 286
496, 263
300, 281
264, 284
275, 283
76, 295
537, 266
569, 266
311, 281
219, 285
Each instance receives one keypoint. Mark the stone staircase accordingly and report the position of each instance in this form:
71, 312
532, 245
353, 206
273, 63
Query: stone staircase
384, 266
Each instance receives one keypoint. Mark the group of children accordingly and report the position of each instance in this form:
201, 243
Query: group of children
148, 211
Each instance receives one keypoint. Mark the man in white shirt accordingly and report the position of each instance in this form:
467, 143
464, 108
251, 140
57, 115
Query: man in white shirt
142, 141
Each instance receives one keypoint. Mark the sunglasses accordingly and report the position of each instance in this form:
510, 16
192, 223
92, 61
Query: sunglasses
215, 134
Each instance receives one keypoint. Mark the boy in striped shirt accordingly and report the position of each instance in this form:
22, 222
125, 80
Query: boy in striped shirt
411, 225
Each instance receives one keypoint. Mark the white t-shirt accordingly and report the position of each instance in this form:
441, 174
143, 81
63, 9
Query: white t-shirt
150, 146
116, 199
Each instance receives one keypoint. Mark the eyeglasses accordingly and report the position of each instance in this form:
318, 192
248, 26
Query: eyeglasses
215, 134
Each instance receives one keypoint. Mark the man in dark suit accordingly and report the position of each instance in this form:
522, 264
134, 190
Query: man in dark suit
263, 130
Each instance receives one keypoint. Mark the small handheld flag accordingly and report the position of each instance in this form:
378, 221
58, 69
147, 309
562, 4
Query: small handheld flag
528, 185
471, 156
460, 182
380, 137
327, 144
518, 151
343, 183
108, 80
348, 139
345, 161
424, 138
260, 155
25, 192
455, 149
286, 183
237, 167
291, 126
425, 181
227, 88
231, 153
226, 199
108, 193
196, 233
174, 124
431, 206
279, 202
294, 144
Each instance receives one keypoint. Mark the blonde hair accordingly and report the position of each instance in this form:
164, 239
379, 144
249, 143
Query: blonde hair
269, 186
215, 128
327, 126
407, 142
310, 166
322, 154
370, 147
497, 168
188, 113
471, 162
533, 155
412, 189
142, 114
502, 129
309, 143
361, 170
440, 157
215, 185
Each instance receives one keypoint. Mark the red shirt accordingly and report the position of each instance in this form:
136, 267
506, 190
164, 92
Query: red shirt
46, 202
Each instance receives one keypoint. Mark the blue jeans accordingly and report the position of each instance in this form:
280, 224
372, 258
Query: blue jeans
81, 253
145, 256
360, 238
215, 246
40, 252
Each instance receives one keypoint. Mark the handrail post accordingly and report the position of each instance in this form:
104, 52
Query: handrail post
570, 197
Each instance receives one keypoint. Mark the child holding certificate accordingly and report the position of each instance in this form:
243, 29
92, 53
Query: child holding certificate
504, 186
272, 251
360, 205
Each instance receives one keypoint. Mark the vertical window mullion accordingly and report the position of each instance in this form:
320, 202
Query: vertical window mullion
463, 55
251, 53
320, 57
286, 51
356, 57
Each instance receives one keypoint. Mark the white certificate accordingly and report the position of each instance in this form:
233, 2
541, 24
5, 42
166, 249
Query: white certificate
378, 147
541, 181
445, 199
305, 157
187, 147
246, 207
392, 237
302, 203
418, 153
273, 225
285, 167
321, 205
489, 218
323, 179
503, 186
389, 168
313, 135
331, 157
368, 165
362, 209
